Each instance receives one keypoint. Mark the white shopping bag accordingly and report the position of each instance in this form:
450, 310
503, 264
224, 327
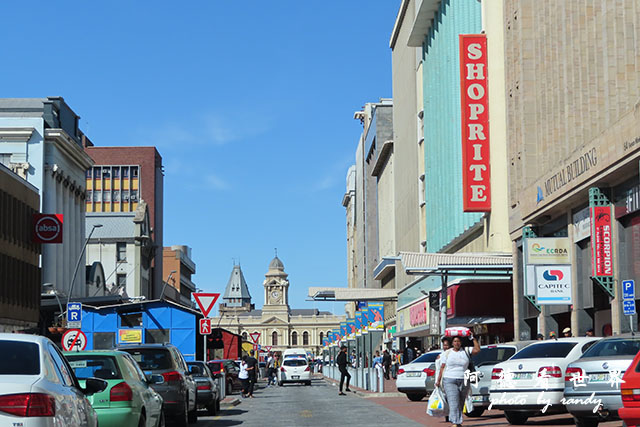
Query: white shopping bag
437, 404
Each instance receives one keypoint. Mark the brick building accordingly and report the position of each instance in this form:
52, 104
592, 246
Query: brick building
178, 266
121, 177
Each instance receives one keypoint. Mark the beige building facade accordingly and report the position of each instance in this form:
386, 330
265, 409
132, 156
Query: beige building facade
279, 326
573, 131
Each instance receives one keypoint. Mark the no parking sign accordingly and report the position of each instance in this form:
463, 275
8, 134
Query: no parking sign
74, 339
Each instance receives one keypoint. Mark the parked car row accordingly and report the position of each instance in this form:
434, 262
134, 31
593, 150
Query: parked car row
137, 385
593, 379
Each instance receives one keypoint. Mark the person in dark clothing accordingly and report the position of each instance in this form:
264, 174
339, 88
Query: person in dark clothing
342, 361
386, 363
252, 368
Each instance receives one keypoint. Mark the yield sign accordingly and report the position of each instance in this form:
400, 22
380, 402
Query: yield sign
205, 301
267, 347
255, 336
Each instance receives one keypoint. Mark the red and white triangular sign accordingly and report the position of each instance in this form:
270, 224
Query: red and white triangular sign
267, 347
205, 301
255, 336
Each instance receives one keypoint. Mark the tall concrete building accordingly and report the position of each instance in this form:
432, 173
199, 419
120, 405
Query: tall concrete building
40, 141
120, 179
573, 132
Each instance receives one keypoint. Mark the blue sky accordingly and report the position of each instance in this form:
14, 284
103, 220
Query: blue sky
250, 104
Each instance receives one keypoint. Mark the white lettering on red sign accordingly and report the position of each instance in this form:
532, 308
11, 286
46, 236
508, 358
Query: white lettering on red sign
476, 173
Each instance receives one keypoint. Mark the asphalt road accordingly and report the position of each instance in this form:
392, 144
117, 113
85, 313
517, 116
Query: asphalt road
300, 405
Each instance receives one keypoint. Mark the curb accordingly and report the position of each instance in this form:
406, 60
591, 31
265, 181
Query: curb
232, 402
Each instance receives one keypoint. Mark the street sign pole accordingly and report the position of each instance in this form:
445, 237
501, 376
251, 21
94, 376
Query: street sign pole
205, 347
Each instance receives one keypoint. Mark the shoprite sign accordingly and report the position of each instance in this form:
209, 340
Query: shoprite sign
474, 94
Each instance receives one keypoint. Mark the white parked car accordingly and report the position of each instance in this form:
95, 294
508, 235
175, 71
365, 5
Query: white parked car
38, 387
416, 379
295, 370
532, 380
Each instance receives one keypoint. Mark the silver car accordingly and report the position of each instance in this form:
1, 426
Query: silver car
599, 371
484, 362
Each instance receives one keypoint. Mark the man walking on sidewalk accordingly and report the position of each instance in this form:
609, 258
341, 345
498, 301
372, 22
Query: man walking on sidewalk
342, 361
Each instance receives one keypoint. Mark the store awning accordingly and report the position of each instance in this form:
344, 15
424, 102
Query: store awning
352, 294
458, 264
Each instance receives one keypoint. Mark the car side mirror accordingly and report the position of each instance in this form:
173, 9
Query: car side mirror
94, 385
155, 379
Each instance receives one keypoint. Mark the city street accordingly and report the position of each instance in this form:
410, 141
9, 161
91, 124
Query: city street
320, 405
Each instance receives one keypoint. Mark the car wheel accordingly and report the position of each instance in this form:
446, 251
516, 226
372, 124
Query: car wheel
586, 421
143, 421
415, 397
475, 413
182, 419
161, 421
516, 418
218, 405
193, 415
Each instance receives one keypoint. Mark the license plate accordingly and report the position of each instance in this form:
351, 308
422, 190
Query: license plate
478, 398
599, 377
414, 374
295, 377
522, 375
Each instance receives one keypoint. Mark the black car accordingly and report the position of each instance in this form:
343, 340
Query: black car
208, 391
179, 387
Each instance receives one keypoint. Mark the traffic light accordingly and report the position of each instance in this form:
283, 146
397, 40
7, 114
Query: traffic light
216, 337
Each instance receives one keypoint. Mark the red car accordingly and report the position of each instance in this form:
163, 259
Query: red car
231, 371
630, 391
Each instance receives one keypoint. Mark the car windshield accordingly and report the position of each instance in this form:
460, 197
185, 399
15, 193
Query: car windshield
215, 366
492, 355
426, 358
203, 371
150, 358
85, 366
550, 349
614, 347
295, 362
19, 358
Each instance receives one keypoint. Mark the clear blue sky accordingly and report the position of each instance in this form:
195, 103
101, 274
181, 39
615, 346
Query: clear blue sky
250, 104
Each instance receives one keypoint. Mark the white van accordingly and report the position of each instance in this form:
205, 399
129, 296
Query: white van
294, 352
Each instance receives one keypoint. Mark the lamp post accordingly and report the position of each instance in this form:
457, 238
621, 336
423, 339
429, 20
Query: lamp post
166, 283
75, 272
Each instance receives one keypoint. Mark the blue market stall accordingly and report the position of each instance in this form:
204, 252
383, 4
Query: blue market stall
142, 322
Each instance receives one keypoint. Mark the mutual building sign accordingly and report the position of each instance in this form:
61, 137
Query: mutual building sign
474, 94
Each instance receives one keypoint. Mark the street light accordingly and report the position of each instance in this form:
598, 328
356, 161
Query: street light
75, 272
166, 283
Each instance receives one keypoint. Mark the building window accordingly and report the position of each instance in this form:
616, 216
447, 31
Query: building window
106, 196
121, 251
97, 196
131, 320
157, 336
294, 338
89, 195
116, 172
96, 173
134, 172
116, 196
321, 337
274, 338
88, 172
121, 280
134, 196
305, 338
125, 172
106, 173
125, 196
104, 340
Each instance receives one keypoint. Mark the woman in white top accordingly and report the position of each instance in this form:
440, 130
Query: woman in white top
446, 345
243, 375
454, 363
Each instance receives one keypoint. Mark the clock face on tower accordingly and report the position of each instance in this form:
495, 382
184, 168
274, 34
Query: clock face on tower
275, 295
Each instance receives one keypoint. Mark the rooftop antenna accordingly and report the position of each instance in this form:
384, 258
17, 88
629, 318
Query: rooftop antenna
276, 249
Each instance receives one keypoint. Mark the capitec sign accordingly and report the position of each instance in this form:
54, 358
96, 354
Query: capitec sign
602, 255
553, 284
47, 228
418, 314
474, 94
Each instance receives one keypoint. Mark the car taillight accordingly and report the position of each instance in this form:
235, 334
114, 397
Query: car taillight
28, 405
307, 369
429, 372
573, 372
282, 369
400, 371
121, 393
172, 376
550, 372
495, 373
630, 394
204, 387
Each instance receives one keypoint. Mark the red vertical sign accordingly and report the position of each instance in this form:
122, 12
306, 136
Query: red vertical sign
601, 247
474, 95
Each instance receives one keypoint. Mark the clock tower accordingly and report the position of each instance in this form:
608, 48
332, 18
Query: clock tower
276, 288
